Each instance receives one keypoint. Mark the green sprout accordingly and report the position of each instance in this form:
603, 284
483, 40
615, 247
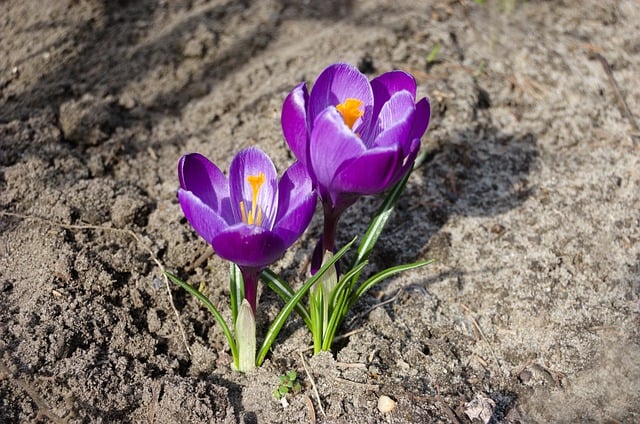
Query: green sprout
434, 53
288, 384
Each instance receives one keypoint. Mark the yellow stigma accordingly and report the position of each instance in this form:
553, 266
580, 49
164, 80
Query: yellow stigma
350, 111
255, 214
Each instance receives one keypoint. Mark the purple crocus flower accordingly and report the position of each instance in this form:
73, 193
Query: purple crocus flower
250, 218
354, 136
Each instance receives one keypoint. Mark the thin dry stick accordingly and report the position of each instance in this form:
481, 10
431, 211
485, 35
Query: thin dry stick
355, 383
351, 365
486, 340
376, 306
313, 383
120, 231
623, 103
447, 409
312, 411
202, 258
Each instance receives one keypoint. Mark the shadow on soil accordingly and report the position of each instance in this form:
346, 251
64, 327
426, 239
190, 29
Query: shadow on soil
484, 173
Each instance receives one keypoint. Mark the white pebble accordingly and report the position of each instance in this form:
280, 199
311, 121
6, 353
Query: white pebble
386, 404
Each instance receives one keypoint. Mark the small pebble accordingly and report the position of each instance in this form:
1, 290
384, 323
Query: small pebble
386, 404
525, 376
497, 229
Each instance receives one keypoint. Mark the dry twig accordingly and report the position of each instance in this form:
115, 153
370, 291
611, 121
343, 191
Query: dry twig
312, 411
482, 335
623, 103
376, 306
365, 386
313, 383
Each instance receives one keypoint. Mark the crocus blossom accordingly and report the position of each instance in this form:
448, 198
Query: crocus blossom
249, 218
355, 137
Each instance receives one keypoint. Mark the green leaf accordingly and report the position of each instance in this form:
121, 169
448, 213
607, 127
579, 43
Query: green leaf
204, 299
344, 282
383, 275
434, 53
236, 290
316, 304
278, 322
284, 290
379, 221
382, 216
340, 306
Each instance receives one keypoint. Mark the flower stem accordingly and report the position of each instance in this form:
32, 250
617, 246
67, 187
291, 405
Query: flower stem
331, 218
251, 277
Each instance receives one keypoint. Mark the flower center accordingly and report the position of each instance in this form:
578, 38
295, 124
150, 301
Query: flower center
255, 214
350, 111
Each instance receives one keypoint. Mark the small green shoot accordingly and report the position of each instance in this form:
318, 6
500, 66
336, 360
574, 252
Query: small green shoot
288, 384
434, 53
479, 69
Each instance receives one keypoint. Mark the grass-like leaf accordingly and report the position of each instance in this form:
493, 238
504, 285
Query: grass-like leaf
236, 290
433, 53
316, 301
280, 319
284, 290
372, 281
339, 302
204, 299
379, 221
382, 216
344, 283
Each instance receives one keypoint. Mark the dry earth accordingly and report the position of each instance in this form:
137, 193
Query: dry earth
529, 202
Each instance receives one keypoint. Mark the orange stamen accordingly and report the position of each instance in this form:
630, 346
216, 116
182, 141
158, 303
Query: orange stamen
350, 111
255, 214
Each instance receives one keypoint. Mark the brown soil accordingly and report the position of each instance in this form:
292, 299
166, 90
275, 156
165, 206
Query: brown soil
530, 202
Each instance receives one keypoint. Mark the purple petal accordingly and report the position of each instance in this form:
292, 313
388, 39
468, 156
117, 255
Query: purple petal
332, 144
294, 184
396, 137
294, 122
389, 83
248, 246
371, 173
204, 219
420, 124
204, 179
385, 86
397, 113
336, 84
296, 204
422, 118
251, 162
